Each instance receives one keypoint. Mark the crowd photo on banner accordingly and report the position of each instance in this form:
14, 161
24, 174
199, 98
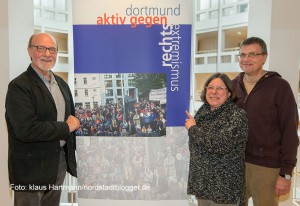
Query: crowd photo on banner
156, 167
138, 114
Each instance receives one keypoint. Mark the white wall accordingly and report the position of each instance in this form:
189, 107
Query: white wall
5, 195
277, 22
16, 26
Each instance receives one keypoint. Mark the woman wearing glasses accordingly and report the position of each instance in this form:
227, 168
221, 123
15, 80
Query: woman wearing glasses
217, 139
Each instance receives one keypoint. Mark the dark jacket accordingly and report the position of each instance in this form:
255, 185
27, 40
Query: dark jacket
273, 121
34, 133
217, 146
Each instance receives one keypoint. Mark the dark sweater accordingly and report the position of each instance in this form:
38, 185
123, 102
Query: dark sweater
273, 121
217, 146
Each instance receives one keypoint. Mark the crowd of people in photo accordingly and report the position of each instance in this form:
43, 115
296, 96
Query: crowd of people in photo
159, 167
140, 119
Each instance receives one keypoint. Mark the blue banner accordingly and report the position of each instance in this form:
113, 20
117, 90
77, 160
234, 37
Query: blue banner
122, 49
132, 87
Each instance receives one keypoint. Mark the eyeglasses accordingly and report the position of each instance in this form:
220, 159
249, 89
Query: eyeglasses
52, 50
250, 55
218, 88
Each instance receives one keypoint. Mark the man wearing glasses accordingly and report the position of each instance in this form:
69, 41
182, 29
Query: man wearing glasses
273, 120
41, 124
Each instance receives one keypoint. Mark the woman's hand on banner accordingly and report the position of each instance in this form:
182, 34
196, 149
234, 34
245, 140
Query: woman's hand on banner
190, 121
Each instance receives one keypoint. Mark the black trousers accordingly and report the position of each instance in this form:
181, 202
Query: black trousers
43, 198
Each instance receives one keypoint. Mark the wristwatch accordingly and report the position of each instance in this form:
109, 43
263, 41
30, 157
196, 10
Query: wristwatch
286, 176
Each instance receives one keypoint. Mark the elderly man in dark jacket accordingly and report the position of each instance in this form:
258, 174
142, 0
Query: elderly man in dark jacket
41, 124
